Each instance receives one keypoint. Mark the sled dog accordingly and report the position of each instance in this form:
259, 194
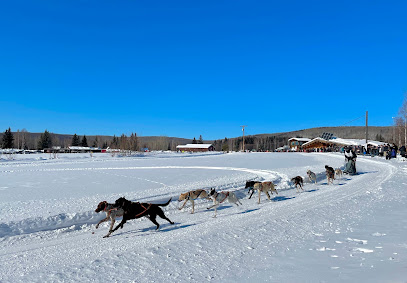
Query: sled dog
111, 213
264, 187
338, 172
311, 176
134, 210
298, 182
330, 174
220, 197
192, 196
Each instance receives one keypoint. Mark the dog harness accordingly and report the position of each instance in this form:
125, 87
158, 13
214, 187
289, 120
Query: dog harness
107, 207
189, 195
145, 208
226, 196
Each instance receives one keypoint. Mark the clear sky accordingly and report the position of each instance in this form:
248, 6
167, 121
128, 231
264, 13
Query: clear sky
190, 68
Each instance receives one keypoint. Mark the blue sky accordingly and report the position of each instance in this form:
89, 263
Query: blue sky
190, 68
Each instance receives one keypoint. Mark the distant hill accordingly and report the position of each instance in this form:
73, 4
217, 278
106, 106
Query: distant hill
268, 141
272, 141
340, 132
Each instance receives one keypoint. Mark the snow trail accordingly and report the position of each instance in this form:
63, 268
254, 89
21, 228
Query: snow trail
255, 237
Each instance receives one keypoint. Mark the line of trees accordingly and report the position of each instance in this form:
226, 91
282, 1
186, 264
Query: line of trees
258, 143
25, 140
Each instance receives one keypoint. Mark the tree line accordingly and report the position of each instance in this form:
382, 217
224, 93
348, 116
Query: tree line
25, 140
22, 139
257, 143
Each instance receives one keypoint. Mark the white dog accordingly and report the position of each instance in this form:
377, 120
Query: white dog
312, 176
218, 198
112, 213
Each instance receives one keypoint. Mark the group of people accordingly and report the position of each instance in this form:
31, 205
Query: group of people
387, 150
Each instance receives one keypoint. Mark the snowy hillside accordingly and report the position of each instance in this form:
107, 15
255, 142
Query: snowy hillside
352, 231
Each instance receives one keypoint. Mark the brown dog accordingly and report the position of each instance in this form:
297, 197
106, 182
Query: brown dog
264, 187
330, 174
192, 196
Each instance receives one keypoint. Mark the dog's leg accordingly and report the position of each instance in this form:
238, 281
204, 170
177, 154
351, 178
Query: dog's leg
152, 218
183, 204
113, 220
162, 215
101, 221
259, 196
268, 196
212, 206
215, 205
193, 206
252, 192
120, 225
117, 227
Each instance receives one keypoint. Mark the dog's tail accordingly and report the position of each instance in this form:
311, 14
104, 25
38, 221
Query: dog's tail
165, 204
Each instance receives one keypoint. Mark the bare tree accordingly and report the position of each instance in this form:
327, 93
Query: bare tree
403, 115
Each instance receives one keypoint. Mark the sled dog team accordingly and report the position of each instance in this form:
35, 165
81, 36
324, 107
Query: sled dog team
133, 210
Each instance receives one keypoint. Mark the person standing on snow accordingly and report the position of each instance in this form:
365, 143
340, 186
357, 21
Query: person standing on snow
350, 158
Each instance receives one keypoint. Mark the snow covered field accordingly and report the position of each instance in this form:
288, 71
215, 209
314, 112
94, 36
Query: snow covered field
352, 231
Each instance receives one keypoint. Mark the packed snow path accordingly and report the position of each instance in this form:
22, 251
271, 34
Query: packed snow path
47, 221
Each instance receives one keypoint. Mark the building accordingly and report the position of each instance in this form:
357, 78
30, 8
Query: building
322, 144
296, 143
196, 147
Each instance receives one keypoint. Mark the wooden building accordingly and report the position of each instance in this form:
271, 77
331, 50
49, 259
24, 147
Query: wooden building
296, 143
195, 147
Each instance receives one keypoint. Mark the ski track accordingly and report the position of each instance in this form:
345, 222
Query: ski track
63, 231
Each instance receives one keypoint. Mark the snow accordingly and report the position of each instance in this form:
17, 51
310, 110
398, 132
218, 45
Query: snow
352, 231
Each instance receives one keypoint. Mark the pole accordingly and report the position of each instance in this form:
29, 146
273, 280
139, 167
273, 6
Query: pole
243, 135
367, 129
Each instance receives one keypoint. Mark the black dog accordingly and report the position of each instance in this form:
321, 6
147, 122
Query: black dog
298, 182
133, 210
250, 186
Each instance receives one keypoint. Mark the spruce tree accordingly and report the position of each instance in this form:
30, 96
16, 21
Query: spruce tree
45, 140
75, 140
194, 141
115, 142
95, 142
225, 145
133, 141
105, 145
8, 139
84, 142
200, 141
